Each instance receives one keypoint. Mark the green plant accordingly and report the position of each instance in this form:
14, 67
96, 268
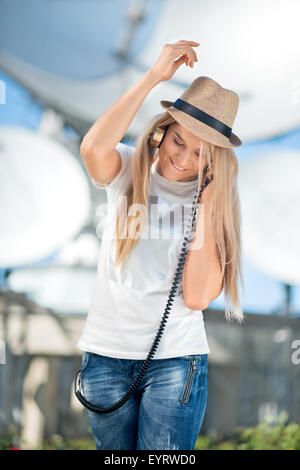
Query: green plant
271, 434
10, 439
57, 442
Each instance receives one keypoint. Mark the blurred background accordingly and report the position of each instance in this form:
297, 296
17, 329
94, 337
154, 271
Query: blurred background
62, 64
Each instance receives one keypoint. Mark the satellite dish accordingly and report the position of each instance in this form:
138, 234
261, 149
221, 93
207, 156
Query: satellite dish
44, 196
270, 207
68, 291
83, 251
96, 74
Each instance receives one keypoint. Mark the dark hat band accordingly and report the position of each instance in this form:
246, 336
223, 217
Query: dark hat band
203, 117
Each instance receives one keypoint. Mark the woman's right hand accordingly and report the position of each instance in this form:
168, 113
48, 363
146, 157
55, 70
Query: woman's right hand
166, 64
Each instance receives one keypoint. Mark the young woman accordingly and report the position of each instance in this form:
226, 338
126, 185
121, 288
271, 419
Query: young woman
150, 191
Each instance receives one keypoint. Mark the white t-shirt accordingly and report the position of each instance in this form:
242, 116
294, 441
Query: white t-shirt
126, 308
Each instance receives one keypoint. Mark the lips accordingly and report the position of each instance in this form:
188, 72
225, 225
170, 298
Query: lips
172, 163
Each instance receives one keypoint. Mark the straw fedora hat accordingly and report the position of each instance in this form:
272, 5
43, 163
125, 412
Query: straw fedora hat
207, 110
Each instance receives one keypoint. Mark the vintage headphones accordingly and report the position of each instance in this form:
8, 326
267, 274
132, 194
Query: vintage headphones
157, 136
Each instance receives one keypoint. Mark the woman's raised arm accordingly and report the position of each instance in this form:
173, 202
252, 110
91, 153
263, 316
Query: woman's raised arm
98, 145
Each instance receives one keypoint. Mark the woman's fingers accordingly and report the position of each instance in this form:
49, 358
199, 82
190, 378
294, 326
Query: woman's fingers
172, 57
191, 55
189, 45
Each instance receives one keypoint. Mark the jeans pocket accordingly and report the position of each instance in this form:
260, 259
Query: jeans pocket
189, 381
85, 360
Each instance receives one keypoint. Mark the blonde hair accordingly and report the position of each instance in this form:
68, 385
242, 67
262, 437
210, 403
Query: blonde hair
226, 217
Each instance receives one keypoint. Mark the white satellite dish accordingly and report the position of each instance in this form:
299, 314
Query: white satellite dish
83, 251
44, 196
242, 55
254, 50
68, 291
270, 205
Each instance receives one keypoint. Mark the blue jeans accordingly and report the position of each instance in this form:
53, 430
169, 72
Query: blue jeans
165, 411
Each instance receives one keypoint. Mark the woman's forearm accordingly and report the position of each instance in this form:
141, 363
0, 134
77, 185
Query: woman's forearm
201, 279
111, 126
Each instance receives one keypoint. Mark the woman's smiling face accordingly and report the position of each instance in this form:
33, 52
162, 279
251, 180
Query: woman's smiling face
178, 155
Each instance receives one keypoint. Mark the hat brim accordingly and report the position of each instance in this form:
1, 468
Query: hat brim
201, 129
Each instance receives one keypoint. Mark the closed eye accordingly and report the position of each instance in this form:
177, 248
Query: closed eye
182, 145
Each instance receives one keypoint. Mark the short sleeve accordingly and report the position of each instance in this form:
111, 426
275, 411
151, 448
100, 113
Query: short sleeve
123, 177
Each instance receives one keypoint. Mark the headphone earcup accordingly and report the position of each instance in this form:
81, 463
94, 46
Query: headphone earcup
157, 136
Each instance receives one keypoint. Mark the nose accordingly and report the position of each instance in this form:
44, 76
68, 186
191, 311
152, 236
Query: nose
183, 158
